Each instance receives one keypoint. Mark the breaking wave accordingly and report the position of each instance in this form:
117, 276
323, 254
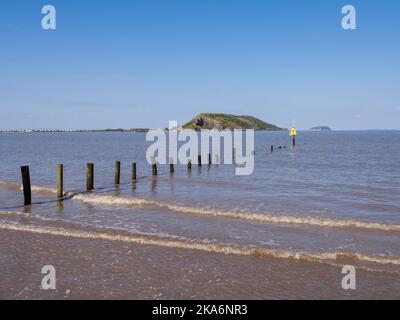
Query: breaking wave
264, 217
258, 217
320, 257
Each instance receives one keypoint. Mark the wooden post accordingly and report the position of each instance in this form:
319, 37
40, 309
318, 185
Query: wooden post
26, 183
199, 160
133, 172
117, 177
171, 166
294, 141
209, 159
272, 148
189, 165
90, 177
60, 181
154, 167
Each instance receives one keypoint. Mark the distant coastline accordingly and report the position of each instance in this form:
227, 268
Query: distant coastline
145, 130
74, 131
321, 128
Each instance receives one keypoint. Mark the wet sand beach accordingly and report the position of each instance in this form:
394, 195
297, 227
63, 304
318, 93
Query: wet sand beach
88, 269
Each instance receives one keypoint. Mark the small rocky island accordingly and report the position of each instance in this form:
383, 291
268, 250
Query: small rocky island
321, 128
220, 121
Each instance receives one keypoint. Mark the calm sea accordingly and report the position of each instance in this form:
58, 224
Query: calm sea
283, 232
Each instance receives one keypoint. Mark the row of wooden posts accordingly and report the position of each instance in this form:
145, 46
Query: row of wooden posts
90, 175
26, 182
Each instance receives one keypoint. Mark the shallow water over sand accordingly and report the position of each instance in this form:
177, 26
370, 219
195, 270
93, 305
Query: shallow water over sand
299, 218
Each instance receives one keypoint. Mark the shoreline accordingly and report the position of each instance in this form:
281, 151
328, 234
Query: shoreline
101, 269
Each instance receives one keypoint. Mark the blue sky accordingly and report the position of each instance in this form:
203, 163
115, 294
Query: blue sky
114, 64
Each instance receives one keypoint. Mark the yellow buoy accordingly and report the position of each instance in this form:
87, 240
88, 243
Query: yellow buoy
293, 132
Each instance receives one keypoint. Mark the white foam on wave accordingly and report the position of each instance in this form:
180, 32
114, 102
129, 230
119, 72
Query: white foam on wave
39, 189
205, 247
264, 217
258, 217
110, 200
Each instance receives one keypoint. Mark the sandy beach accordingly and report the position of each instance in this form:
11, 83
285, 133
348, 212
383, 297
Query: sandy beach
93, 269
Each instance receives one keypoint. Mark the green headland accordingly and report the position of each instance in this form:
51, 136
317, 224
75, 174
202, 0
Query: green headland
220, 121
